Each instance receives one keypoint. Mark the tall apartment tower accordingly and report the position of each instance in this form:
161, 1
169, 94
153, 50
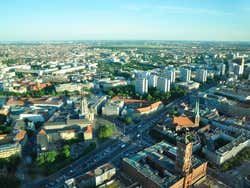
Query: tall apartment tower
222, 69
239, 66
141, 85
152, 80
197, 113
163, 84
170, 74
184, 156
185, 75
201, 75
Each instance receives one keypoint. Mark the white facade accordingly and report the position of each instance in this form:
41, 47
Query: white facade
152, 80
222, 69
185, 75
141, 85
170, 74
32, 117
201, 75
112, 108
163, 84
225, 153
239, 69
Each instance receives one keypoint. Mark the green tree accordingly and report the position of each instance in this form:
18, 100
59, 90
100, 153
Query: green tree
47, 157
111, 93
51, 156
128, 120
3, 118
9, 181
106, 131
66, 151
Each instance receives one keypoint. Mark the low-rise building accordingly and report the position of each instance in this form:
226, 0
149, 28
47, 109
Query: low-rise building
46, 138
112, 108
12, 144
88, 133
9, 149
93, 178
221, 145
188, 85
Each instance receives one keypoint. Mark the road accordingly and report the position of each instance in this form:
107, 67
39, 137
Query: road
111, 151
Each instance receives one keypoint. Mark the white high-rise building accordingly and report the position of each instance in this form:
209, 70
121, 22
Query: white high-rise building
238, 69
141, 85
142, 74
152, 80
185, 74
239, 66
163, 84
188, 60
201, 75
222, 69
170, 74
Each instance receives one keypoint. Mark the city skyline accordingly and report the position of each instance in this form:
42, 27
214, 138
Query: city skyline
125, 20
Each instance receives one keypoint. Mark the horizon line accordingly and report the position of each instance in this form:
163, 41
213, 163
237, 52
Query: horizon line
82, 40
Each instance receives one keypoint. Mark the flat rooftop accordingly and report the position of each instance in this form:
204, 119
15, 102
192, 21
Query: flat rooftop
164, 155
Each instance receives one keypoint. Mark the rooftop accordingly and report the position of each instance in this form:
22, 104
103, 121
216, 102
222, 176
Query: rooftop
164, 155
183, 121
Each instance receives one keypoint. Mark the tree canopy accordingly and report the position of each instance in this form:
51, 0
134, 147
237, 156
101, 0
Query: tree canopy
106, 131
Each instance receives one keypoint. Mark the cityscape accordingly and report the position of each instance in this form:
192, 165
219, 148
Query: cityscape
147, 109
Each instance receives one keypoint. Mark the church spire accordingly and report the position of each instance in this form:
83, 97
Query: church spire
197, 112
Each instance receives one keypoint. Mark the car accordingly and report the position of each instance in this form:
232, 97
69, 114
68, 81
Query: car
123, 145
51, 184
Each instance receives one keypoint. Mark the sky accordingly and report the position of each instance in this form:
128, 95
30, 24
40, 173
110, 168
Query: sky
35, 20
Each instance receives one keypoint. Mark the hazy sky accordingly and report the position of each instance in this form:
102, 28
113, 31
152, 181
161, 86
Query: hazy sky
124, 19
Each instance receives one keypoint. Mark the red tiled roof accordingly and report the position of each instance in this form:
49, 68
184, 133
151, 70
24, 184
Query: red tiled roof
42, 132
150, 107
89, 129
116, 98
20, 135
183, 121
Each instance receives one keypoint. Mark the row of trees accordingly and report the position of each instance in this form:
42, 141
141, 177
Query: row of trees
5, 127
9, 181
239, 159
152, 95
49, 90
10, 163
50, 162
47, 158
